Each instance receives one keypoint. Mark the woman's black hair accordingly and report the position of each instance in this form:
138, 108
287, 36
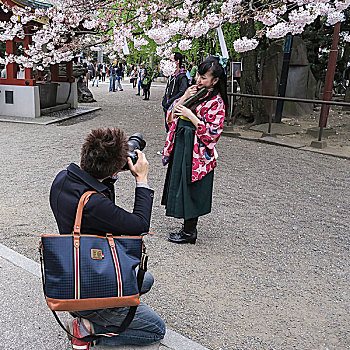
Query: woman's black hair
212, 65
178, 56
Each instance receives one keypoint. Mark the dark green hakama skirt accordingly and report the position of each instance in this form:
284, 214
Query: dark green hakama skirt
182, 197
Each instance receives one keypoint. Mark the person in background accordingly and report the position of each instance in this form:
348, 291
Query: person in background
190, 150
104, 70
97, 72
86, 75
91, 69
193, 73
176, 85
146, 82
119, 73
188, 75
112, 77
140, 77
133, 76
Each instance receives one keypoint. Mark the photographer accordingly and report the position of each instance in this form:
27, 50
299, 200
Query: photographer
103, 155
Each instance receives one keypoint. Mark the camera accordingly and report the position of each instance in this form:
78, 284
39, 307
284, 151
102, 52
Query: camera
136, 141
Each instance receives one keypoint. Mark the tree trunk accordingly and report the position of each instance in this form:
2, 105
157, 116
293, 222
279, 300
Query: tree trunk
252, 108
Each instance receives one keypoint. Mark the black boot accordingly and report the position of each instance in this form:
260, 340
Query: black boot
188, 234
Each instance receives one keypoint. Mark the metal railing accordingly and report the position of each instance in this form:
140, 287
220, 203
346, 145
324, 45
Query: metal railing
292, 99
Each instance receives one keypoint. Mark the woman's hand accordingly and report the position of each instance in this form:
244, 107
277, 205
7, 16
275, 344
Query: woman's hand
191, 91
184, 111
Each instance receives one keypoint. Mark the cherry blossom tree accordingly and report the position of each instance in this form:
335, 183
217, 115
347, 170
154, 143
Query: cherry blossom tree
71, 25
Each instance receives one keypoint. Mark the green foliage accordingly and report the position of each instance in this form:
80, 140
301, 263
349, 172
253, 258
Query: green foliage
145, 55
231, 33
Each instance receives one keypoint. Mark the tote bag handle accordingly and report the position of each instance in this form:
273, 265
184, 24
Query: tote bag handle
82, 202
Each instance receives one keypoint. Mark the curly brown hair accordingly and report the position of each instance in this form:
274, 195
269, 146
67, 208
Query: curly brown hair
104, 152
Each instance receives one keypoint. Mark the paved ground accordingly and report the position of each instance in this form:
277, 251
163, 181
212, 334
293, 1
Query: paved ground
270, 269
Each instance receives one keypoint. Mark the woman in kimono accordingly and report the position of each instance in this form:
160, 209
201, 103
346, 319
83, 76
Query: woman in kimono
190, 150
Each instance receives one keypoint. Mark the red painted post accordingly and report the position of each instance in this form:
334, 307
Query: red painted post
54, 72
327, 94
69, 69
11, 68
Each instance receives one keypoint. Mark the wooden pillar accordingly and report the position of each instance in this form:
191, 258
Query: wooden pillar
11, 68
54, 72
332, 62
69, 69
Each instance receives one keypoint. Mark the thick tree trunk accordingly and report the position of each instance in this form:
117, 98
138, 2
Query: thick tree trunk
251, 109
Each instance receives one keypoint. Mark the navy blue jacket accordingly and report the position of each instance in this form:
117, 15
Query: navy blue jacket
100, 215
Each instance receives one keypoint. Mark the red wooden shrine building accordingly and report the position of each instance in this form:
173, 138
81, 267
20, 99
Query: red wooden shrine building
28, 93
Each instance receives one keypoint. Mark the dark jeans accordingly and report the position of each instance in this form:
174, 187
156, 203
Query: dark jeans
146, 327
138, 87
112, 80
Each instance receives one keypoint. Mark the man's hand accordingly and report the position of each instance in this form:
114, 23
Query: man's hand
140, 169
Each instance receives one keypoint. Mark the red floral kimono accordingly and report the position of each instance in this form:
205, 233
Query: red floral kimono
211, 115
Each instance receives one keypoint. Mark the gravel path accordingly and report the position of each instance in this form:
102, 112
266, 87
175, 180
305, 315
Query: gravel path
270, 269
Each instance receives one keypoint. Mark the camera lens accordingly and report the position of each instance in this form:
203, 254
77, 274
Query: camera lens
135, 142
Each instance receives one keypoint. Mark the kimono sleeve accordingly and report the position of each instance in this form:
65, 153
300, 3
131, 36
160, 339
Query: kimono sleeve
169, 113
212, 122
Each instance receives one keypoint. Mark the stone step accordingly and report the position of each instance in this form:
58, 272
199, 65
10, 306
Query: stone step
60, 107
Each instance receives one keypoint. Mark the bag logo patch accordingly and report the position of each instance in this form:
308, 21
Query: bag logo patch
96, 254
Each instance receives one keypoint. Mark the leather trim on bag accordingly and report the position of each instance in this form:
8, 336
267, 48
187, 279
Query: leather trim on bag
86, 235
92, 303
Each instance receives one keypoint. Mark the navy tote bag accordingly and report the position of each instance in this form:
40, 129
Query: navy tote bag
87, 272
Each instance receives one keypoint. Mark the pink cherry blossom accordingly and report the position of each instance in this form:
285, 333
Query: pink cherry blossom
245, 44
185, 44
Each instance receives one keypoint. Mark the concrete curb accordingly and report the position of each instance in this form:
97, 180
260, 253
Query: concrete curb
56, 120
282, 143
20, 260
172, 340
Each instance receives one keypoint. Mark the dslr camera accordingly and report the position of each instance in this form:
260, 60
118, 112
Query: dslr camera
135, 142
